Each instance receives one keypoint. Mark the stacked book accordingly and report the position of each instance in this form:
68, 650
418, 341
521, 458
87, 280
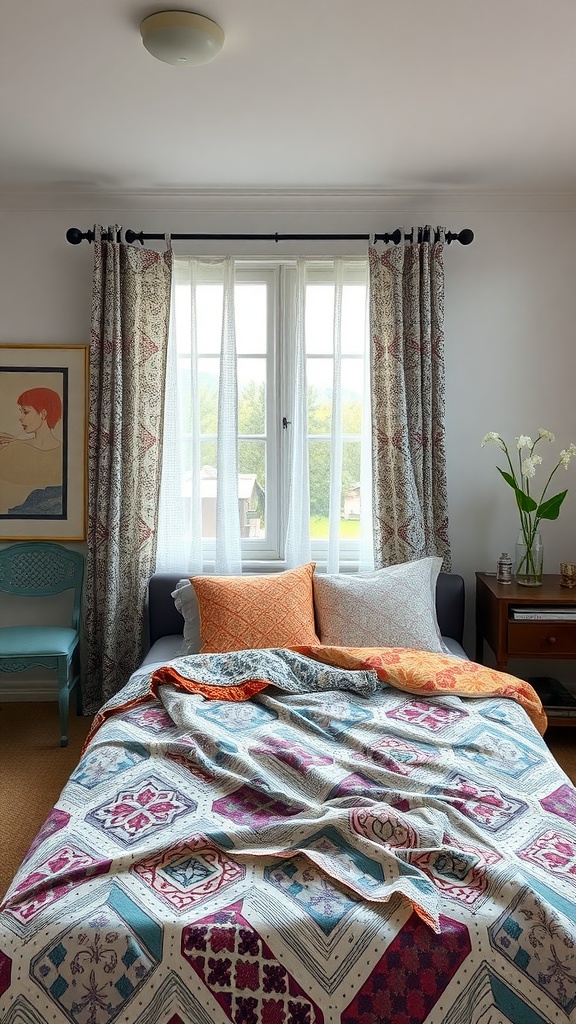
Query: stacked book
551, 613
557, 700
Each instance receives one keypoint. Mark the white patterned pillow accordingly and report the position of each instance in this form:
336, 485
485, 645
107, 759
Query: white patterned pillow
391, 607
186, 603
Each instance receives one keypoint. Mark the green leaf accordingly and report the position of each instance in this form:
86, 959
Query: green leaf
551, 509
508, 478
524, 501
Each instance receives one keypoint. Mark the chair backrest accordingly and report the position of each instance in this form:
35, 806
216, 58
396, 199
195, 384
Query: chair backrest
39, 569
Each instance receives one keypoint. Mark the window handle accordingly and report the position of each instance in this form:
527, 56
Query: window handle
286, 423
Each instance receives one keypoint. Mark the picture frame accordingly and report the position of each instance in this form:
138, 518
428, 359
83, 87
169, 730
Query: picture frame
43, 442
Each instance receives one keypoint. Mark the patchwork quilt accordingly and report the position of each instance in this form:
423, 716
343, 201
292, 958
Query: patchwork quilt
328, 848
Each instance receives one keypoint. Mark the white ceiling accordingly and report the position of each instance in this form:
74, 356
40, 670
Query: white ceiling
426, 95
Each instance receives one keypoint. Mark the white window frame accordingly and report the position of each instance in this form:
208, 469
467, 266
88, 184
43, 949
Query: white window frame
320, 270
279, 277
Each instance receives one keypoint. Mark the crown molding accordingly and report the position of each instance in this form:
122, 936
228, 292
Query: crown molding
101, 203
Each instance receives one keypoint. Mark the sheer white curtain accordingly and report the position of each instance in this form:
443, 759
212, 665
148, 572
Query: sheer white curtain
323, 349
180, 546
179, 518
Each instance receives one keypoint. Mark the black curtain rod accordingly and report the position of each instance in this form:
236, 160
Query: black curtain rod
75, 236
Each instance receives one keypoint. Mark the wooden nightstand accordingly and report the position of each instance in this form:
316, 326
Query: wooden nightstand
528, 638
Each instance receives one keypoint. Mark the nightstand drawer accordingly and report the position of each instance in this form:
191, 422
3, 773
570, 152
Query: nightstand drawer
541, 638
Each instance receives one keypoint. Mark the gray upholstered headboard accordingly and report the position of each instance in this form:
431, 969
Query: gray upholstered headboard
165, 620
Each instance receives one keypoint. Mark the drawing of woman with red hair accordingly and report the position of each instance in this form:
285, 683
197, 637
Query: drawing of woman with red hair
31, 470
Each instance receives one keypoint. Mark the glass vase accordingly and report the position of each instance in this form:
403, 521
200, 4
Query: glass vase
529, 560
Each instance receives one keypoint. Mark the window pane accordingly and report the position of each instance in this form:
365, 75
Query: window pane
184, 395
182, 317
352, 392
264, 323
319, 456
353, 318
250, 302
209, 299
208, 370
319, 460
251, 396
319, 384
350, 521
208, 488
252, 488
319, 318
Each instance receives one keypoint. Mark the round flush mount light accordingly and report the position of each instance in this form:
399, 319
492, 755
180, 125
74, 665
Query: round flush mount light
182, 38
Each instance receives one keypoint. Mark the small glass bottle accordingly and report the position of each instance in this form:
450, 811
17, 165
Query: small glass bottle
504, 568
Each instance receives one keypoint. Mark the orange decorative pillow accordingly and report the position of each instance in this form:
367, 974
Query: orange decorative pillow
245, 612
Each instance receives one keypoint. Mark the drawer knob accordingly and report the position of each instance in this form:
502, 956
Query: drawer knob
551, 639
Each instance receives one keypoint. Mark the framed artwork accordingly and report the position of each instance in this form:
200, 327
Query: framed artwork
43, 442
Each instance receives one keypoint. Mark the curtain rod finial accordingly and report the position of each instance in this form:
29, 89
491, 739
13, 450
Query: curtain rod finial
75, 236
465, 236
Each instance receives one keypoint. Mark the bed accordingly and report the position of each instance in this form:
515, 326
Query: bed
340, 843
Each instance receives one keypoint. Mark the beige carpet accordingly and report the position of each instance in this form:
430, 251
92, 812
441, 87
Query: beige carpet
34, 769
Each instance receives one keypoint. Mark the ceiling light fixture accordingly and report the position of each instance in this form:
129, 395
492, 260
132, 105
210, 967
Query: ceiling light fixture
181, 38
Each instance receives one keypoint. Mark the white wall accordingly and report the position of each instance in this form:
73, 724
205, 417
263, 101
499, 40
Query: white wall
510, 320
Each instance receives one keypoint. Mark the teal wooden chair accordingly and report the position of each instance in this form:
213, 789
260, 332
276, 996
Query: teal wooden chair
37, 569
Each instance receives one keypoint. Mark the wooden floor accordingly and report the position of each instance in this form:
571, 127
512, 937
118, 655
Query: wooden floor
34, 768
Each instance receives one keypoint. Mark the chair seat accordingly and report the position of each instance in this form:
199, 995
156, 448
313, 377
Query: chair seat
31, 641
42, 569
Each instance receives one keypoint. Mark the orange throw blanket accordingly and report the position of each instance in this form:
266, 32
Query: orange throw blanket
421, 672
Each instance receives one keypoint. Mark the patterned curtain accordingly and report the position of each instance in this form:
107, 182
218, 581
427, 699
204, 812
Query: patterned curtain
130, 317
407, 380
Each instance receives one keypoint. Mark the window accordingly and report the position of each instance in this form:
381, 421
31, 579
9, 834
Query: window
234, 363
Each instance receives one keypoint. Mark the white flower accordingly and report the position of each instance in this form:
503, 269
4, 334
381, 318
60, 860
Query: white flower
491, 436
566, 454
529, 465
546, 435
524, 442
